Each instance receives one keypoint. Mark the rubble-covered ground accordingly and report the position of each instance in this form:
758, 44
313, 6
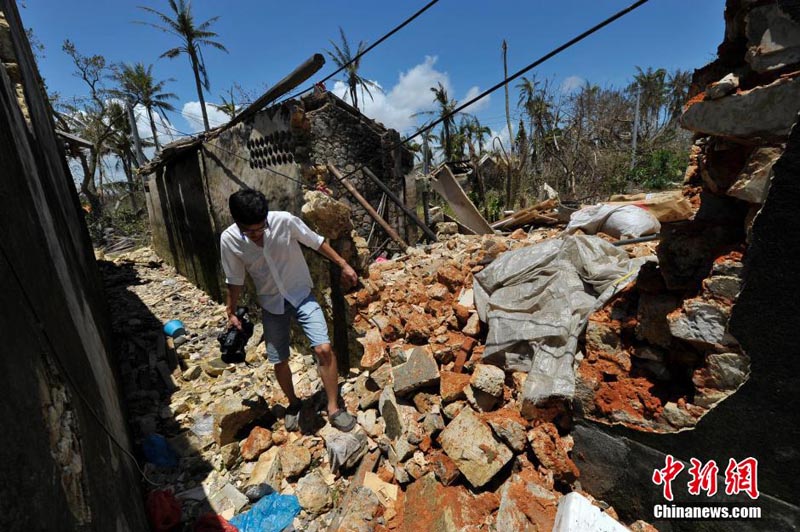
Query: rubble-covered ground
440, 443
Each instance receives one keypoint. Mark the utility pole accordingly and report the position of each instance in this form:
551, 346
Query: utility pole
425, 184
140, 158
635, 125
508, 121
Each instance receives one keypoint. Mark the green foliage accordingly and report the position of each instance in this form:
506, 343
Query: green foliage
659, 169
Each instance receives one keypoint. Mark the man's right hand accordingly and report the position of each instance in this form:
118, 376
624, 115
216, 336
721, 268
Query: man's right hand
234, 321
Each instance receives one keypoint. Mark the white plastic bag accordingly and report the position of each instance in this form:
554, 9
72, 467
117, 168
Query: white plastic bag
619, 221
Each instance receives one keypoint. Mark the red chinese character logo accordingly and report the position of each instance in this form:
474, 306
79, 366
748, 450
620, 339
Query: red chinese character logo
703, 478
665, 476
742, 476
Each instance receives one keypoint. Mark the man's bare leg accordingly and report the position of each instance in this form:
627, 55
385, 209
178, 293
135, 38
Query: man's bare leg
329, 373
284, 375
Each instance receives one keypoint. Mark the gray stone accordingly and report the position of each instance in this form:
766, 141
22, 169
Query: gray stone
359, 514
313, 493
489, 379
233, 414
773, 38
230, 454
192, 373
509, 515
678, 417
326, 216
509, 430
473, 326
267, 471
295, 458
766, 111
480, 400
452, 410
723, 371
752, 183
723, 286
702, 322
390, 413
226, 499
421, 370
723, 87
469, 442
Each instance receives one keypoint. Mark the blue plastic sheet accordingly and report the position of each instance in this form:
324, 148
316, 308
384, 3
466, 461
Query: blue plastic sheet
158, 452
272, 513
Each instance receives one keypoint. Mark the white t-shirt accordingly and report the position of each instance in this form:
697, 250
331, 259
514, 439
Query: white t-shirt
279, 270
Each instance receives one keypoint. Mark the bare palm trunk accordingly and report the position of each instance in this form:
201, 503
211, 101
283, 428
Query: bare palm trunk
508, 122
87, 184
193, 58
153, 127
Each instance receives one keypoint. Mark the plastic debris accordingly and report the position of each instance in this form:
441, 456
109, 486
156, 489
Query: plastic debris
273, 513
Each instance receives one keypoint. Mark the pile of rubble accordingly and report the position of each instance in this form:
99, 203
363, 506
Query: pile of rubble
440, 442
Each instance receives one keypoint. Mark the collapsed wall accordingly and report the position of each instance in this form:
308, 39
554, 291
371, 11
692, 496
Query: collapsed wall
61, 470
691, 360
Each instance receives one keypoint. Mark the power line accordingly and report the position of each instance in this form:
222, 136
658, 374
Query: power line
366, 50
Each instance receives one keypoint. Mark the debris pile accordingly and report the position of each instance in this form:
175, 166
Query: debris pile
439, 436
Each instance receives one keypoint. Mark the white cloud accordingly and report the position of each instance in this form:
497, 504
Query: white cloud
412, 94
193, 115
572, 83
480, 105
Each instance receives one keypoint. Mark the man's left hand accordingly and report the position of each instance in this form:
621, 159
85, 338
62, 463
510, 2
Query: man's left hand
349, 277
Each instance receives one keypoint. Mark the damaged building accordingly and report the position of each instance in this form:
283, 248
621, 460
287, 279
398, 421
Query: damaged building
538, 380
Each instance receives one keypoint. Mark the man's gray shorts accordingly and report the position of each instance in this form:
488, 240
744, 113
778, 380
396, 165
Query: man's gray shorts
276, 327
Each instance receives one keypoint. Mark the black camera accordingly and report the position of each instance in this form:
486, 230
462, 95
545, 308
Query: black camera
233, 341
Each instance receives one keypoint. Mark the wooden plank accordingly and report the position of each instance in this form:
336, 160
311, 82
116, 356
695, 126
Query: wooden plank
367, 207
446, 185
392, 196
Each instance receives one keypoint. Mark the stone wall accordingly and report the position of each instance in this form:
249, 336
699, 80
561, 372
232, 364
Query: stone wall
61, 470
695, 359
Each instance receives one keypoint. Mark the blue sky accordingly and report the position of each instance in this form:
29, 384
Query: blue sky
456, 42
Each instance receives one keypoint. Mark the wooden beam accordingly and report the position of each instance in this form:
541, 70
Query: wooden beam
295, 78
392, 196
367, 207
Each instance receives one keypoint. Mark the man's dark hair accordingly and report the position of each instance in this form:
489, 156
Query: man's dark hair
248, 207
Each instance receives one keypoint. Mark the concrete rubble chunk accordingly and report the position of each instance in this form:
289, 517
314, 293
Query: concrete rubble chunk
489, 379
723, 371
509, 426
386, 492
259, 440
723, 87
525, 506
227, 501
469, 442
313, 493
429, 506
473, 326
390, 412
577, 514
359, 515
295, 458
374, 349
192, 373
480, 400
451, 386
722, 286
326, 216
419, 371
233, 414
763, 112
701, 322
773, 38
267, 472
551, 450
752, 183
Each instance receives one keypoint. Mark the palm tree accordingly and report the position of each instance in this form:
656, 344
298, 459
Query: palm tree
445, 114
227, 106
137, 86
193, 36
343, 58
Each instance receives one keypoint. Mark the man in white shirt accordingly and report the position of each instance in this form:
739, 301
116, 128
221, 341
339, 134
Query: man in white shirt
267, 246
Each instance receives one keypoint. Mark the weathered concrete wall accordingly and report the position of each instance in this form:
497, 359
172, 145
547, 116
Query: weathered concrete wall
740, 134
60, 469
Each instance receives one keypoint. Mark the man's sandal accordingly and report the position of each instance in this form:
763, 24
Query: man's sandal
292, 419
342, 420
